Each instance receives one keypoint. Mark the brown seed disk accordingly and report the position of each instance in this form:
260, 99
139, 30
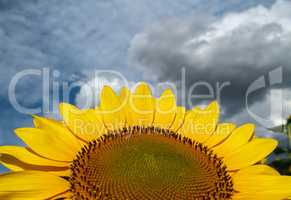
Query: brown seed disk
148, 163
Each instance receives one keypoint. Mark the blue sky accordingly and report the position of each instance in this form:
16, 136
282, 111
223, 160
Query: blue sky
141, 40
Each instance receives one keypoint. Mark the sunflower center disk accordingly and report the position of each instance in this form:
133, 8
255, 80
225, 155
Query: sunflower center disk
144, 163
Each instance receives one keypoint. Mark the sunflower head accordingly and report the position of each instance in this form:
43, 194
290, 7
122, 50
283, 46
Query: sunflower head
136, 146
141, 162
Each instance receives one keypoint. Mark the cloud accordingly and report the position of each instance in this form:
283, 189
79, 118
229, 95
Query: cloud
75, 38
88, 95
237, 47
270, 111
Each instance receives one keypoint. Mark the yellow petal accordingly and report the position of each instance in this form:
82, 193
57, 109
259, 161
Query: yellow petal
27, 185
11, 167
179, 119
142, 105
64, 196
59, 129
258, 170
85, 124
16, 165
221, 133
124, 95
49, 124
18, 158
249, 154
52, 145
261, 187
61, 173
200, 124
165, 109
239, 137
124, 99
188, 125
111, 109
25, 157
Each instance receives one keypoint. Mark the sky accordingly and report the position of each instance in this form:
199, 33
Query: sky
243, 46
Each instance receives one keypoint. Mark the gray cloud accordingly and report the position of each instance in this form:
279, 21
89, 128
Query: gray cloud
238, 47
77, 36
80, 37
74, 37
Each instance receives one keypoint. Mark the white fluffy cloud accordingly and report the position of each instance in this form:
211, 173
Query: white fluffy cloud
272, 110
238, 47
78, 36
88, 95
252, 37
72, 37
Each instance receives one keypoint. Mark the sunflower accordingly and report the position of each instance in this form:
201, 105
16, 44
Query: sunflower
136, 146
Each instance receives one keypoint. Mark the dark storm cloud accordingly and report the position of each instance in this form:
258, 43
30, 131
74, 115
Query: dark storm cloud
78, 36
236, 47
72, 37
